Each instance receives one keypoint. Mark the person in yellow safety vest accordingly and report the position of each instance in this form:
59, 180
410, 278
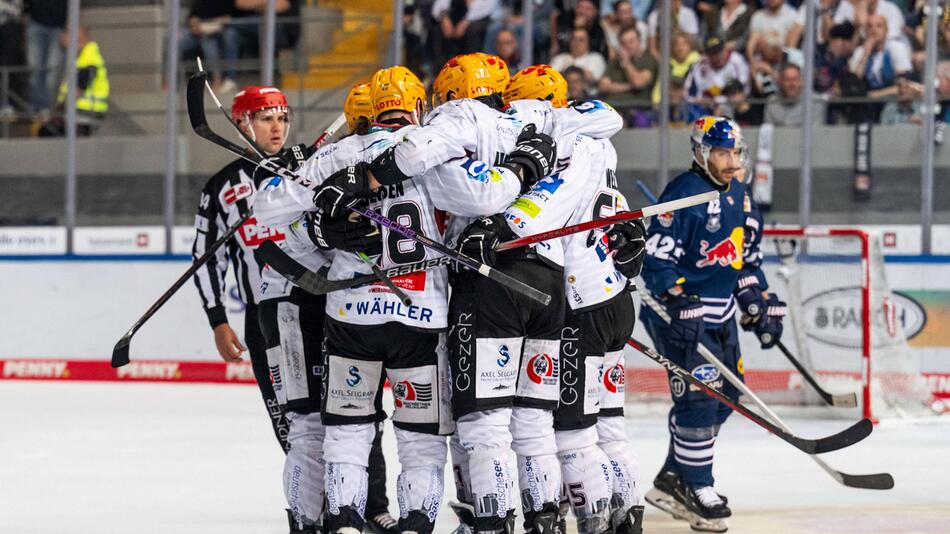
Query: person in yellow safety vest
92, 86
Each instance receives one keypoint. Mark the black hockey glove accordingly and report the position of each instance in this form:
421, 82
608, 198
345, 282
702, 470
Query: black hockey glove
533, 158
626, 239
342, 190
750, 300
686, 320
769, 329
351, 232
479, 239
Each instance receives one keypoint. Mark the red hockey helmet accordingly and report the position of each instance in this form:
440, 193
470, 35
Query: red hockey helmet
254, 98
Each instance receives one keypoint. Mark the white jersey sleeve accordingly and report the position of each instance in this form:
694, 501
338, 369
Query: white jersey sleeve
298, 245
467, 187
590, 277
446, 135
593, 118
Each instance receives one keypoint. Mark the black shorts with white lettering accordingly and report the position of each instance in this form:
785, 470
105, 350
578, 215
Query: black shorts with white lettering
360, 358
585, 340
293, 334
503, 346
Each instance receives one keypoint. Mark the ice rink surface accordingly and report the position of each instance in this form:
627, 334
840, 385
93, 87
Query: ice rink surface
201, 459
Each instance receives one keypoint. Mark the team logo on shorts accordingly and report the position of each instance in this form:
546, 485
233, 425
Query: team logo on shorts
541, 368
412, 394
354, 378
613, 378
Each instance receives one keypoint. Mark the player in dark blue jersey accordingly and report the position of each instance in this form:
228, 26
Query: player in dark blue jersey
702, 264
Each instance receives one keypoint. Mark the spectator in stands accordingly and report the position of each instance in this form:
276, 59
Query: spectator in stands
576, 84
92, 89
586, 15
880, 60
709, 76
682, 59
786, 108
908, 107
510, 17
463, 24
824, 12
765, 71
832, 58
682, 113
859, 13
628, 81
769, 28
730, 21
47, 20
13, 54
683, 20
622, 17
211, 37
580, 55
738, 107
248, 17
506, 47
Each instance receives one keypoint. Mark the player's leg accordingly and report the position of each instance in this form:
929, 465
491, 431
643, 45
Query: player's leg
532, 423
463, 507
257, 351
484, 351
413, 370
293, 329
351, 409
378, 518
626, 512
584, 466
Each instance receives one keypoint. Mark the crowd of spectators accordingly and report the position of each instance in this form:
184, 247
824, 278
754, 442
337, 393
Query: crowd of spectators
742, 58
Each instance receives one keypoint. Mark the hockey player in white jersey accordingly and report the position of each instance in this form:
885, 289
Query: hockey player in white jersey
599, 466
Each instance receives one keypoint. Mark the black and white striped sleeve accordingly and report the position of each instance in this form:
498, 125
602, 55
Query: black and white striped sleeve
209, 225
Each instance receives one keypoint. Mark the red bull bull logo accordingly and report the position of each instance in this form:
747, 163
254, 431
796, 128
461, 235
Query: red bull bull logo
724, 253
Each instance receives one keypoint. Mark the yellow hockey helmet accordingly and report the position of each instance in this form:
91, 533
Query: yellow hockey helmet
464, 76
499, 70
358, 105
537, 82
397, 88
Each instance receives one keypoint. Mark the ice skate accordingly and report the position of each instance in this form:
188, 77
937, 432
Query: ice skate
706, 510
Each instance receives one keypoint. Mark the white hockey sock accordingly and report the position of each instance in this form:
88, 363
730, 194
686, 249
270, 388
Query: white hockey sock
587, 478
487, 438
304, 468
346, 452
463, 489
539, 471
420, 486
624, 463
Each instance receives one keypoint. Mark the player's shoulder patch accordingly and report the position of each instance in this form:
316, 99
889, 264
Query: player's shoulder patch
591, 106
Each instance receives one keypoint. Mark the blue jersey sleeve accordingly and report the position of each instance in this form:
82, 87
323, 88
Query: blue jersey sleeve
664, 245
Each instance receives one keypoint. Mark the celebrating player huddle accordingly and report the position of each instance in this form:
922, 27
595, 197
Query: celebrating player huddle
524, 391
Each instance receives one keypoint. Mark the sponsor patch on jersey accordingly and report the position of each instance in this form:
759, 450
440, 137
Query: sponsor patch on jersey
550, 184
480, 171
379, 307
351, 386
410, 282
677, 386
665, 219
238, 192
406, 393
739, 367
518, 222
613, 378
724, 253
542, 369
528, 207
253, 234
705, 373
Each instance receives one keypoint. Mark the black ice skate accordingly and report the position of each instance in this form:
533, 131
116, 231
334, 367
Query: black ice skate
301, 528
382, 523
544, 521
629, 522
466, 515
668, 494
707, 512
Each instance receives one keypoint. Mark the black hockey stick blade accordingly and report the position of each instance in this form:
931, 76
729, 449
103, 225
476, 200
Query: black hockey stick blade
838, 400
876, 481
845, 438
120, 352
195, 99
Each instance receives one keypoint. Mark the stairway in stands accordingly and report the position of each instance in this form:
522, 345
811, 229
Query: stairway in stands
358, 46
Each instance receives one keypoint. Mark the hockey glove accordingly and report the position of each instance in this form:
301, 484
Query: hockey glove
686, 320
769, 329
352, 232
479, 239
342, 190
533, 158
626, 239
750, 300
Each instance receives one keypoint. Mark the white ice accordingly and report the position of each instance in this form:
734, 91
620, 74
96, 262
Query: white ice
143, 458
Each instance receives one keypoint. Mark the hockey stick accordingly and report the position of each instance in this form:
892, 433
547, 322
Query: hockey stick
381, 276
317, 284
838, 400
120, 352
853, 434
845, 438
269, 165
648, 211
331, 129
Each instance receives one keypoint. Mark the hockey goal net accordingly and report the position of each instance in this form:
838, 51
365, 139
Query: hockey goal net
844, 325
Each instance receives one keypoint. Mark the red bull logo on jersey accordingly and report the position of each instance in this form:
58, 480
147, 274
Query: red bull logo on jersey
542, 369
253, 234
724, 253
